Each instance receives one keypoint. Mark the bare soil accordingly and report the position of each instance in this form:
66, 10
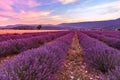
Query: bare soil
4, 59
74, 65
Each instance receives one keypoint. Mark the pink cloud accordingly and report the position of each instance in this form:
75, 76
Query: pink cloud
27, 17
6, 5
3, 19
32, 3
30, 15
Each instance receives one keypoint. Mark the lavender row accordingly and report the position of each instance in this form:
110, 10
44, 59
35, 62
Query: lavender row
113, 42
38, 64
5, 37
16, 46
98, 55
113, 34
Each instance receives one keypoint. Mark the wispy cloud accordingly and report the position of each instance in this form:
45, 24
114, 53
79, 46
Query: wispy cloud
31, 15
67, 1
97, 12
32, 3
3, 19
28, 17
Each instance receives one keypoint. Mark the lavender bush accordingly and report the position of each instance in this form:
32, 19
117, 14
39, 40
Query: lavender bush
97, 54
37, 64
113, 42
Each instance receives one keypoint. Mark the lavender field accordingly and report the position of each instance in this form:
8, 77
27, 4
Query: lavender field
60, 55
59, 39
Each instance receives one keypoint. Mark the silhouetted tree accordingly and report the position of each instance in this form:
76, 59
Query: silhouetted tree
39, 26
118, 29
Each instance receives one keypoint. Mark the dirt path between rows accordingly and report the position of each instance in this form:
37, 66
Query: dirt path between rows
4, 59
74, 65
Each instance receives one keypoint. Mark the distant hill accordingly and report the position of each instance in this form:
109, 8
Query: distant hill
106, 25
22, 27
109, 24
32, 27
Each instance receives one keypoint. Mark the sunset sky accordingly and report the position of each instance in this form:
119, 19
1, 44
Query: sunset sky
57, 11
